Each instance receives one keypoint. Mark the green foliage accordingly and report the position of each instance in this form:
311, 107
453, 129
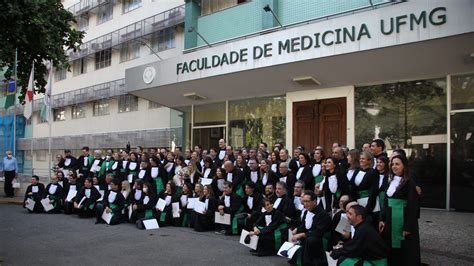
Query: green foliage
39, 30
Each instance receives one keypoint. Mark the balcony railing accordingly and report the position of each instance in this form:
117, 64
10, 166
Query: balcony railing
85, 6
137, 30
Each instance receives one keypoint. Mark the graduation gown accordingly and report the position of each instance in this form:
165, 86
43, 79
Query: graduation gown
123, 170
334, 185
253, 206
305, 173
94, 169
267, 178
234, 207
186, 215
69, 205
294, 165
145, 175
315, 224
158, 178
84, 164
132, 171
400, 213
245, 170
115, 203
37, 191
285, 205
205, 222
209, 172
290, 180
165, 217
145, 204
68, 163
366, 186
365, 245
90, 196
236, 177
106, 168
273, 232
54, 192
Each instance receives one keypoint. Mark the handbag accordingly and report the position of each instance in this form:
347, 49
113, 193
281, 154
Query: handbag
15, 183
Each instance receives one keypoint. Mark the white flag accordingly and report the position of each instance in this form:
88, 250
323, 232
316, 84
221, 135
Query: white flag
29, 95
45, 111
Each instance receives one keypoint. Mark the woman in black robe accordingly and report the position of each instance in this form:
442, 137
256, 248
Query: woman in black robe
383, 170
304, 171
399, 218
185, 213
333, 186
165, 216
205, 221
267, 176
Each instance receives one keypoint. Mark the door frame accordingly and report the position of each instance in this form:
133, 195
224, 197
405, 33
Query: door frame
321, 94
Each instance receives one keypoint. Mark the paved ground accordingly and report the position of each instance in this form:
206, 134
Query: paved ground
40, 239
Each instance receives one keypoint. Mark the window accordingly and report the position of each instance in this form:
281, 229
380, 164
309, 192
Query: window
129, 5
41, 119
41, 156
82, 22
101, 108
103, 58
59, 114
211, 6
60, 74
128, 103
78, 111
79, 67
129, 51
153, 105
105, 13
163, 40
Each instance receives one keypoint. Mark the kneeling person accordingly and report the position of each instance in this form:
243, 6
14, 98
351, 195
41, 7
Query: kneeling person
35, 192
113, 202
86, 199
54, 192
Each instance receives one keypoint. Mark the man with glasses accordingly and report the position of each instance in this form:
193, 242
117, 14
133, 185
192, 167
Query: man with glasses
286, 176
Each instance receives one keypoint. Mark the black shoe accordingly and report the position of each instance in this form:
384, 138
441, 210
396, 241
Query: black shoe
257, 255
97, 221
253, 251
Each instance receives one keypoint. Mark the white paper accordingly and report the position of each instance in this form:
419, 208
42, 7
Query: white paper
191, 202
80, 202
222, 219
130, 211
107, 217
175, 206
331, 261
206, 181
290, 249
151, 224
71, 194
30, 204
102, 192
47, 206
343, 225
160, 205
253, 240
199, 207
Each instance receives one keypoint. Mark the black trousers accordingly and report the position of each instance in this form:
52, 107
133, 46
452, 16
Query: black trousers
9, 176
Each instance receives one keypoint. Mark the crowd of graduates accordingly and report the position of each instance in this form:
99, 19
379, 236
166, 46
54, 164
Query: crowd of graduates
278, 197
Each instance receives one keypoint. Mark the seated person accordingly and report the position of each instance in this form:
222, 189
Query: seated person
86, 199
366, 245
205, 221
54, 192
315, 222
143, 201
71, 185
185, 213
283, 202
252, 206
113, 202
165, 216
35, 191
336, 237
271, 230
229, 203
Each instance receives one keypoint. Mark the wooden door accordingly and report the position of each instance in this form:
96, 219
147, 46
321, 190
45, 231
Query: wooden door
319, 122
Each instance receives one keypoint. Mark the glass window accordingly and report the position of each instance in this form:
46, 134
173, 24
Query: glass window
128, 103
82, 22
105, 12
129, 5
129, 51
211, 6
103, 58
41, 119
60, 74
410, 116
462, 92
209, 114
101, 108
163, 40
78, 111
153, 105
256, 120
59, 114
79, 66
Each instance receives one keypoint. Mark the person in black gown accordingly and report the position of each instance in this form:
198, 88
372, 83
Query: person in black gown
35, 191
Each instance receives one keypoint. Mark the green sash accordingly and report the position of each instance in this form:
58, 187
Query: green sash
318, 179
148, 214
239, 191
91, 206
185, 219
277, 235
350, 261
338, 194
354, 261
398, 206
163, 217
299, 257
57, 203
113, 206
363, 194
235, 229
179, 190
159, 185
90, 159
381, 199
103, 169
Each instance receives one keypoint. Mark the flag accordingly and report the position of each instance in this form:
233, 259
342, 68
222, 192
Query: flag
46, 108
29, 95
11, 93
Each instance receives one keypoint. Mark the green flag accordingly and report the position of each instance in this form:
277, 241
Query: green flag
11, 93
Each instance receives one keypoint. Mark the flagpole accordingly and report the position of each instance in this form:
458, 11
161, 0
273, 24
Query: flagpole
50, 116
14, 103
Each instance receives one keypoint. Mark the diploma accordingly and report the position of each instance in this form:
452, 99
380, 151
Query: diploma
206, 181
199, 207
46, 205
343, 225
150, 224
288, 249
30, 204
80, 202
253, 240
107, 217
222, 219
130, 211
331, 261
71, 195
191, 202
175, 206
160, 205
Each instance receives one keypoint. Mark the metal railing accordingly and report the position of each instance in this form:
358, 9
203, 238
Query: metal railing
85, 6
140, 29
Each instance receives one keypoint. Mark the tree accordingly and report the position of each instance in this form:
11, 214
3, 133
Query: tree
39, 30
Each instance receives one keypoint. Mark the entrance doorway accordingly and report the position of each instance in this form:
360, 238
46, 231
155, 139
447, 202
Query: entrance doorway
208, 137
319, 122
